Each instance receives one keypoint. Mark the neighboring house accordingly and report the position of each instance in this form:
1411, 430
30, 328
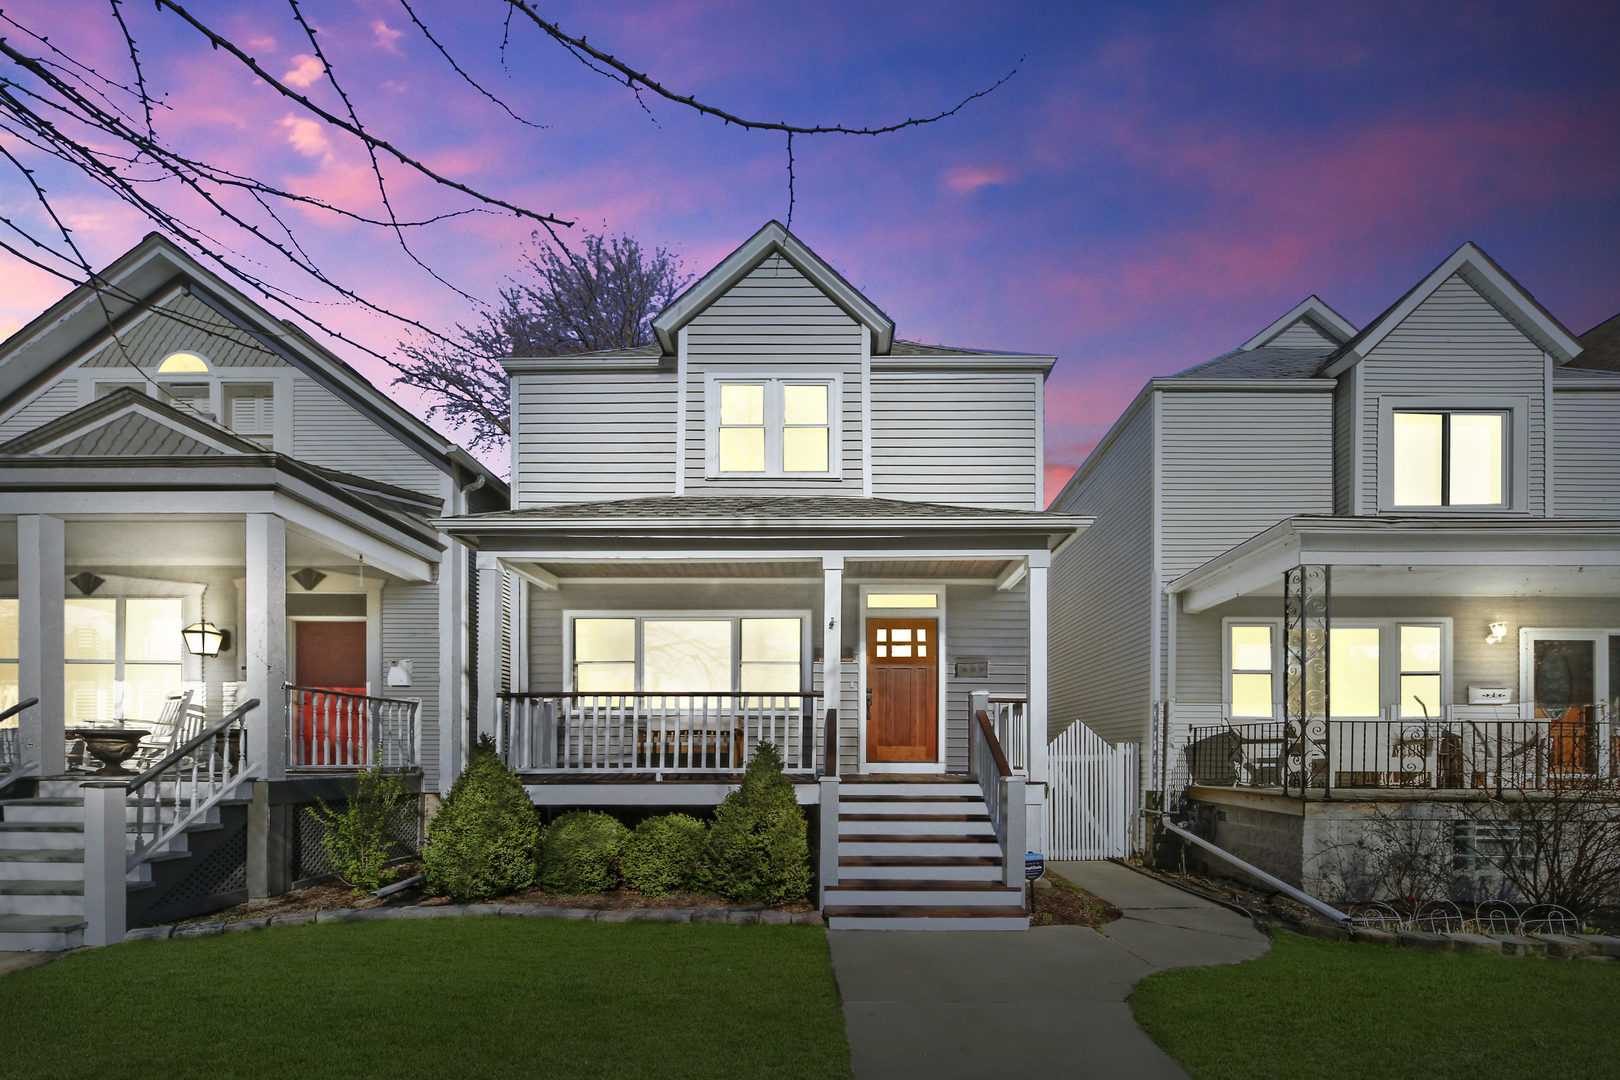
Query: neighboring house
173, 455
778, 523
1438, 492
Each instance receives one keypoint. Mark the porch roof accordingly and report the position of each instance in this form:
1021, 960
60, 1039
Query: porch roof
1409, 556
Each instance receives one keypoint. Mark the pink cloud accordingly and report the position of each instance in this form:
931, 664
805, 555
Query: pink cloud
386, 37
307, 136
1056, 477
305, 71
966, 179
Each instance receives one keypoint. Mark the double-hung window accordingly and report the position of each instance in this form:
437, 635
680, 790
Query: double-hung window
122, 654
1251, 670
1372, 664
1450, 458
772, 427
680, 654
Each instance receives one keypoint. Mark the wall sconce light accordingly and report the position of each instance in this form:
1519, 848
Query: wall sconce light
205, 639
399, 673
308, 578
86, 582
1498, 632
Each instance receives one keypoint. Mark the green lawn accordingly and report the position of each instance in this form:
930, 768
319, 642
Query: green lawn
476, 997
1324, 1009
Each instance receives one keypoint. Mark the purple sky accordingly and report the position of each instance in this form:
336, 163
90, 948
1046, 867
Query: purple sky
1155, 184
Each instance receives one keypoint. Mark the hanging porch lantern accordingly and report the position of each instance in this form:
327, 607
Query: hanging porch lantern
205, 639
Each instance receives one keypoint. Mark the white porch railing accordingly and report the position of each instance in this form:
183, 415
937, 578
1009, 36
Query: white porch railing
655, 733
329, 729
12, 767
1010, 715
1003, 795
187, 782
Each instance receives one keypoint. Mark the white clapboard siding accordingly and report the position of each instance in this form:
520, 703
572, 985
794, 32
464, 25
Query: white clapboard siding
957, 438
410, 631
1091, 805
774, 321
1344, 441
583, 438
1455, 343
185, 323
329, 431
55, 400
1101, 589
982, 622
1586, 463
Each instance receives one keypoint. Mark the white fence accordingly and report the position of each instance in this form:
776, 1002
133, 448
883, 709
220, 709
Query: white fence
1092, 797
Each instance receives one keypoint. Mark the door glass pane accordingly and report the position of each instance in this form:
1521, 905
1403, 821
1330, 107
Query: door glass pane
742, 404
89, 693
804, 404
901, 633
1416, 458
686, 654
1251, 648
1353, 671
902, 600
742, 449
90, 628
152, 629
1563, 676
604, 639
145, 687
902, 650
8, 628
771, 639
804, 449
1251, 695
1476, 459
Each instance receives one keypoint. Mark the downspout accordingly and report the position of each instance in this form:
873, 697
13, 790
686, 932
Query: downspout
1253, 871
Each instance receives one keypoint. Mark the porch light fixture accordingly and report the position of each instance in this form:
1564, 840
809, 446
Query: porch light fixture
86, 582
1498, 631
308, 578
205, 639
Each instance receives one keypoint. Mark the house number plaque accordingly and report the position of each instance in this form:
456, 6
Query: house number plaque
973, 667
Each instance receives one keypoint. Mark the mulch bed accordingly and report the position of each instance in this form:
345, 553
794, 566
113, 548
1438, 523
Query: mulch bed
335, 896
1060, 902
1267, 908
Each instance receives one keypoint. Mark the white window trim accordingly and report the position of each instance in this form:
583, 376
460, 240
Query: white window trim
940, 696
807, 624
1389, 674
1277, 666
279, 379
1515, 449
1529, 635
773, 425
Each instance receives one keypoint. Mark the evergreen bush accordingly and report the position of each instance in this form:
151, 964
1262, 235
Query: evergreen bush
482, 842
665, 854
758, 847
355, 838
579, 853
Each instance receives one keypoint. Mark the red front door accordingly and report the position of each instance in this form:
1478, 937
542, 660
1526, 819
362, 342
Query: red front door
330, 656
902, 679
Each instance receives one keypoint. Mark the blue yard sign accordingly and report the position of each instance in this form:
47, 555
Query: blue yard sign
1034, 865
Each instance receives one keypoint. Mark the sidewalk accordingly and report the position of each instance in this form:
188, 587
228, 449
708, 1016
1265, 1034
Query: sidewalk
940, 1005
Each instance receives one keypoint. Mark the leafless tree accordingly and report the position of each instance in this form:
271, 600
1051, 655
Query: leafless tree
1559, 844
111, 125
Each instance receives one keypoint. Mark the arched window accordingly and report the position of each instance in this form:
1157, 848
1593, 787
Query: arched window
182, 363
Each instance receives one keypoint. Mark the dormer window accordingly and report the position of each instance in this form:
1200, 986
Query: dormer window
772, 427
1450, 458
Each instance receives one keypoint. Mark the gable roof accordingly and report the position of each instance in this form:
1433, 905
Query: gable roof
772, 239
128, 423
1492, 282
1600, 347
152, 272
1263, 363
1312, 312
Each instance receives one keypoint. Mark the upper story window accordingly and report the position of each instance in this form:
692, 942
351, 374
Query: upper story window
250, 411
772, 427
183, 363
1450, 458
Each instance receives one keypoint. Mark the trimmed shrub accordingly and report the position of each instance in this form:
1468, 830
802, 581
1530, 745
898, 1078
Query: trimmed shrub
579, 853
758, 847
355, 837
665, 854
481, 843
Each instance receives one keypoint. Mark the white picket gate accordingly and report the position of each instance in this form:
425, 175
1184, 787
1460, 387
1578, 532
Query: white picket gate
1092, 800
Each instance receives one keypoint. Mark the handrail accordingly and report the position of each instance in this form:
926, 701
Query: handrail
214, 775
830, 768
17, 769
528, 695
996, 754
211, 731
1008, 700
347, 694
26, 703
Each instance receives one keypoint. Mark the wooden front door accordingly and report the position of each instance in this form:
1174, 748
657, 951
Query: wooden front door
1565, 684
902, 690
330, 656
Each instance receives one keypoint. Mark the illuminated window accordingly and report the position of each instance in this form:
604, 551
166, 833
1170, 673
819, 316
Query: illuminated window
716, 654
1420, 670
8, 657
1353, 671
123, 656
902, 600
183, 363
773, 427
1449, 458
1252, 670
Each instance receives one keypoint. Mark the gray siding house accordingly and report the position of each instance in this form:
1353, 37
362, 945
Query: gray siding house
175, 457
1343, 563
779, 524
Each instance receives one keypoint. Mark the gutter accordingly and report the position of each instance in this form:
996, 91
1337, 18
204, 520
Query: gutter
1227, 857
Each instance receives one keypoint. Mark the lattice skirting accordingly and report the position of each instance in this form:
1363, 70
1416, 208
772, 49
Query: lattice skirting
309, 860
217, 880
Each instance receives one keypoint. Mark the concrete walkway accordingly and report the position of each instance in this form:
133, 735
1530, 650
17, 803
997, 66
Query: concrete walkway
940, 1005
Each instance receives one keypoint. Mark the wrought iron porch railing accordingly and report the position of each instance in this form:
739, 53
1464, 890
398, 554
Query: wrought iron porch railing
329, 729
1451, 752
1010, 715
658, 733
187, 782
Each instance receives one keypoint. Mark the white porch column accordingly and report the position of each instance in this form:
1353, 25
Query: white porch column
264, 631
1040, 565
41, 595
832, 641
491, 631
